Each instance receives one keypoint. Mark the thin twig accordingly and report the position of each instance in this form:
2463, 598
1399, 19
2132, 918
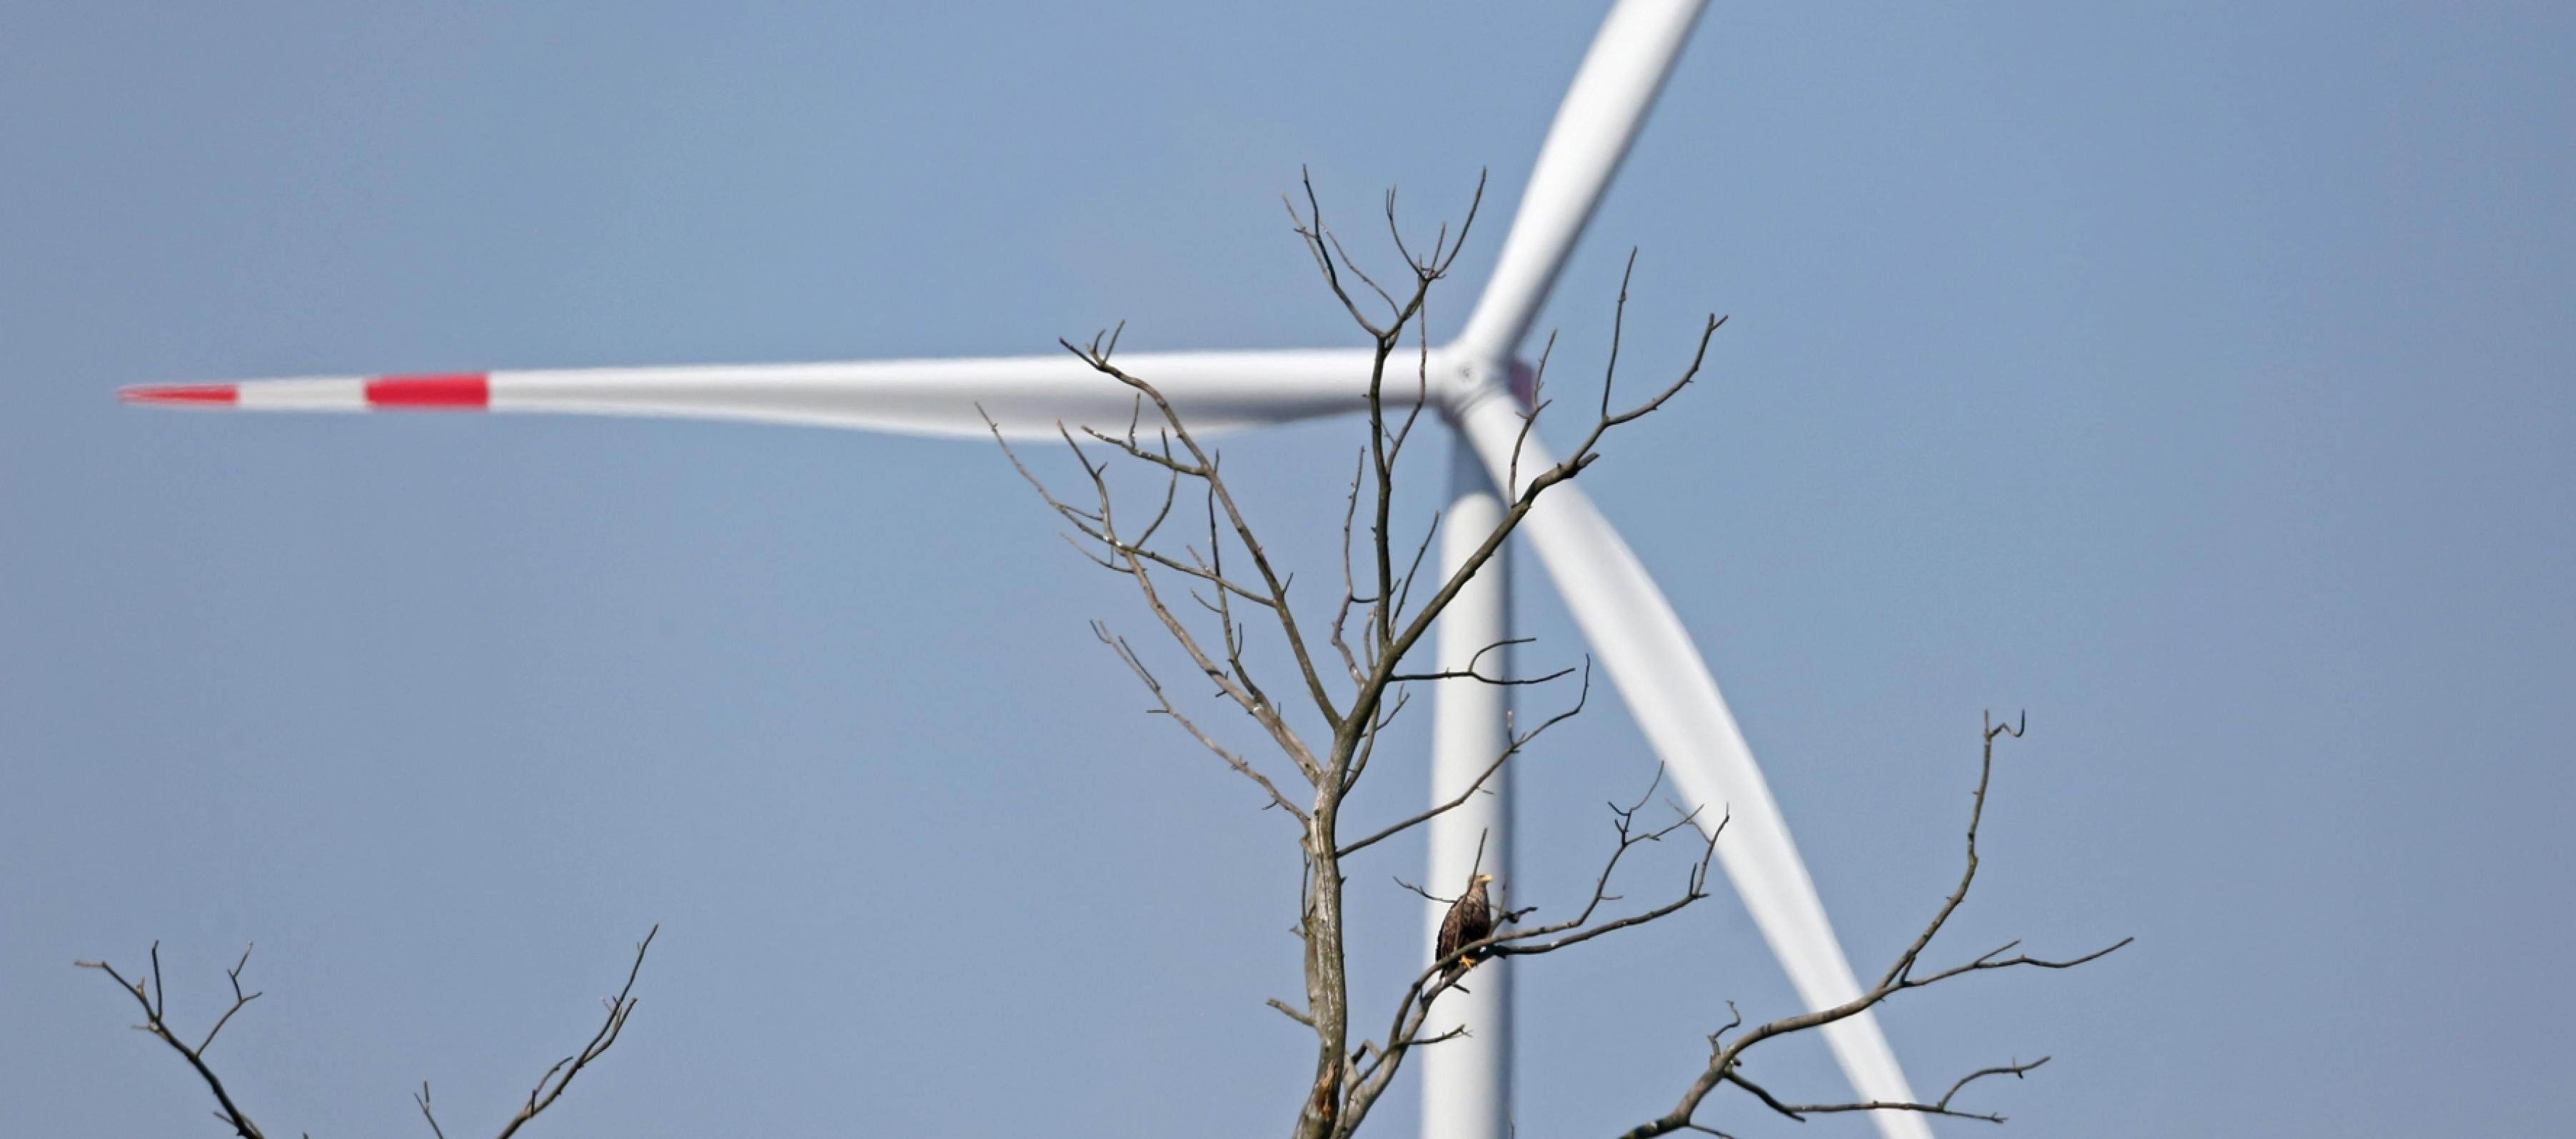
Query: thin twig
550, 1087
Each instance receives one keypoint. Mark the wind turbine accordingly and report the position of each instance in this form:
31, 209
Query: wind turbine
1633, 630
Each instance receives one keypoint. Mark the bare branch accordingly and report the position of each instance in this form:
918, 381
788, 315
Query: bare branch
1320, 244
1976, 817
1995, 959
155, 1002
1537, 404
1723, 1066
149, 994
1145, 676
1413, 1009
1578, 929
1350, 589
1513, 748
422, 1098
550, 1087
1134, 562
1472, 673
1393, 647
239, 999
1937, 1107
1274, 587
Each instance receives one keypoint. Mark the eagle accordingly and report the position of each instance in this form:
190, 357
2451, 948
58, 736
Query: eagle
1470, 920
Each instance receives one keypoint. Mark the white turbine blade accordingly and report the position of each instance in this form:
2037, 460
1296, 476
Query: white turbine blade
1668, 688
1026, 396
1601, 114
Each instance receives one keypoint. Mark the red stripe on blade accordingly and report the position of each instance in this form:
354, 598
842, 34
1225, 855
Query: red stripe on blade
464, 389
178, 393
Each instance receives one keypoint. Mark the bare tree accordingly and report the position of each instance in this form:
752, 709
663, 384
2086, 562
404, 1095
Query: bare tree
147, 991
1206, 578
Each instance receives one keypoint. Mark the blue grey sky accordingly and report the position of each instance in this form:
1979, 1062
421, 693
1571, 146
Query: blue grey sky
2192, 375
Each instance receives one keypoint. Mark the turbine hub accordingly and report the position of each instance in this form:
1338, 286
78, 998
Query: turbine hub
1467, 380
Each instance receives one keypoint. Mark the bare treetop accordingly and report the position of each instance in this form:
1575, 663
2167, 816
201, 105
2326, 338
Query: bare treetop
1206, 580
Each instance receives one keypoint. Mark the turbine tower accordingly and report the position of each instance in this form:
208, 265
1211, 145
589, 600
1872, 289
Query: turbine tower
1632, 629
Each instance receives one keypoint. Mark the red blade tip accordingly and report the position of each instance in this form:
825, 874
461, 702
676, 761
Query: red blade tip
457, 389
178, 393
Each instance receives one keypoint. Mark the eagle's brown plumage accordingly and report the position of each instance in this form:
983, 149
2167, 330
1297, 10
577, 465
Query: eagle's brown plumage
1470, 920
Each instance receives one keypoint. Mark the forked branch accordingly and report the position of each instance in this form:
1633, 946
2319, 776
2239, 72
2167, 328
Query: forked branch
1475, 787
149, 995
155, 1001
1726, 1057
1164, 706
550, 1087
